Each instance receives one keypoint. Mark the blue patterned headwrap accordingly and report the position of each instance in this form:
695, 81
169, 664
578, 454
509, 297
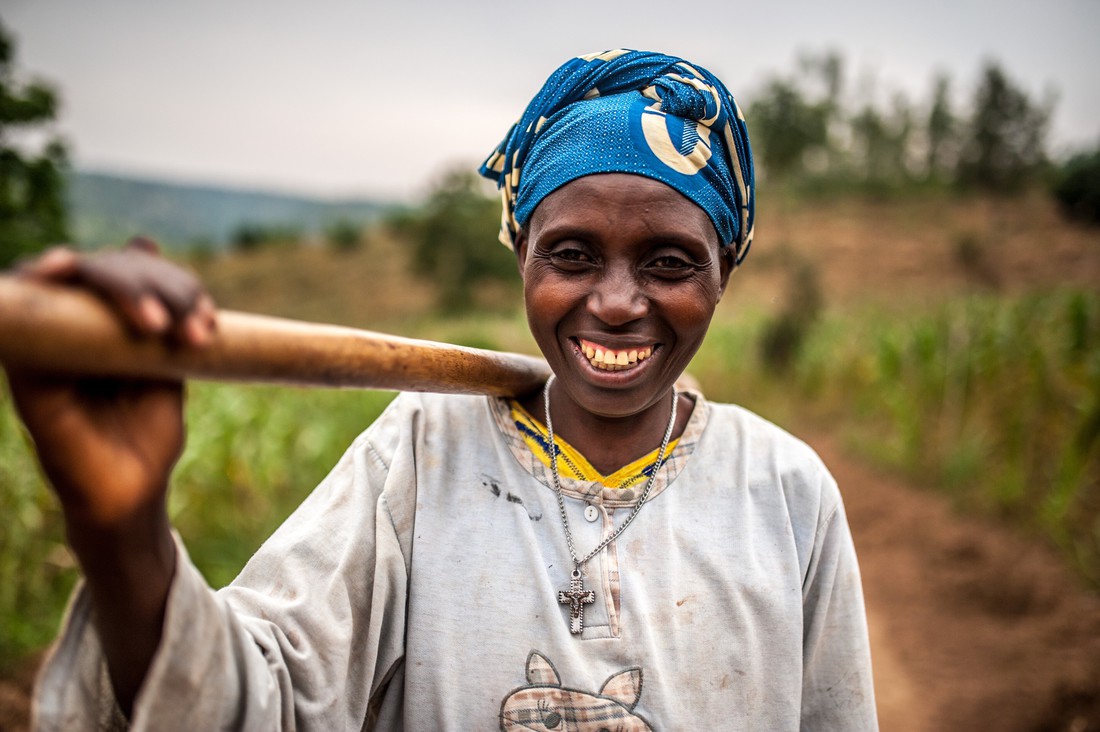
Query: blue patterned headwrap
635, 112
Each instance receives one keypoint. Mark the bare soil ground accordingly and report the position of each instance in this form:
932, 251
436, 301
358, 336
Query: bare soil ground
973, 627
15, 703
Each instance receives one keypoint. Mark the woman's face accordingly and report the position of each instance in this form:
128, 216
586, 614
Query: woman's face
621, 275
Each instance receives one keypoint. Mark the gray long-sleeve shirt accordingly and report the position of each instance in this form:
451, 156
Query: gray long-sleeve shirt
417, 588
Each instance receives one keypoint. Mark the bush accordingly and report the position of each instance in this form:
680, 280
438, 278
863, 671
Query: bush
783, 338
343, 235
1077, 187
249, 237
32, 187
454, 240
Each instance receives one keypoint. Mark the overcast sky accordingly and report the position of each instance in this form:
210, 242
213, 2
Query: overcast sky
342, 98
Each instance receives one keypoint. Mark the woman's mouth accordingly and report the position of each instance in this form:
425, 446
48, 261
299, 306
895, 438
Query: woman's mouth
611, 359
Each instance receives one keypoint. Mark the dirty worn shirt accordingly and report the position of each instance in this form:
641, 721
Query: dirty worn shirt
418, 588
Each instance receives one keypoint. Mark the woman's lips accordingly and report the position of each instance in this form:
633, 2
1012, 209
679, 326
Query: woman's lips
606, 358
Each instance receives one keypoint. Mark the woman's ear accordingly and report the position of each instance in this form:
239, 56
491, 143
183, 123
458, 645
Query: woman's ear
521, 250
727, 262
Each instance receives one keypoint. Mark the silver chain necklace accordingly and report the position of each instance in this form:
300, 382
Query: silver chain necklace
576, 596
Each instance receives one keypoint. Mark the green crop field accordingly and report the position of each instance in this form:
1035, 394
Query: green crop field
253, 454
994, 400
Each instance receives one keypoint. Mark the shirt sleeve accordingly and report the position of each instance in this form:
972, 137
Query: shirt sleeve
307, 637
837, 684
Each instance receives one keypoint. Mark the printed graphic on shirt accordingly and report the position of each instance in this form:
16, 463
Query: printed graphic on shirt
544, 704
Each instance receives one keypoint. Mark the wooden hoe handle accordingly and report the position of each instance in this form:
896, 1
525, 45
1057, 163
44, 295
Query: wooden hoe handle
67, 331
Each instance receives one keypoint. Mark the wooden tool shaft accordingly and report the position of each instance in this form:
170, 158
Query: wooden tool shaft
67, 331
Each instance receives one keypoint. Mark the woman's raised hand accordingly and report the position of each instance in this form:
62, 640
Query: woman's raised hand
108, 445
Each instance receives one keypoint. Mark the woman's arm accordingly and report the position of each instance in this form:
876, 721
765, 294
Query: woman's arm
108, 448
837, 685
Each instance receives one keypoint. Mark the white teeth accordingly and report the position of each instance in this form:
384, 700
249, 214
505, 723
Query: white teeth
608, 360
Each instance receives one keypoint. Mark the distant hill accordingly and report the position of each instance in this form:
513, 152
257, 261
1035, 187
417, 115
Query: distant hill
108, 209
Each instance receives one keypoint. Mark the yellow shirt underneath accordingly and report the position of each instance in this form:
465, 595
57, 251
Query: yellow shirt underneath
571, 464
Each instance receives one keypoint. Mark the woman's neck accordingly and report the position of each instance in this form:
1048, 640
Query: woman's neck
608, 443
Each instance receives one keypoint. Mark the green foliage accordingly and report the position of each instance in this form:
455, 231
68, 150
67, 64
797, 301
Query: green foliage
32, 205
881, 144
35, 565
785, 128
811, 135
252, 455
942, 132
343, 235
782, 340
1004, 146
1077, 187
996, 400
249, 237
454, 240
972, 253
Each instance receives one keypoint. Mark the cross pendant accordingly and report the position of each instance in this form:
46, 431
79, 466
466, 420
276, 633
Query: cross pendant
576, 597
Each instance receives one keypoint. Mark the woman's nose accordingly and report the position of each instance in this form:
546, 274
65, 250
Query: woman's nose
617, 299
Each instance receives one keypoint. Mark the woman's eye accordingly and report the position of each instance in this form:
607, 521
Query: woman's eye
671, 266
670, 262
571, 257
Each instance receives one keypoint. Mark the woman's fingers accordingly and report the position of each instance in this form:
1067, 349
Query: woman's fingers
151, 294
57, 264
156, 296
143, 243
201, 322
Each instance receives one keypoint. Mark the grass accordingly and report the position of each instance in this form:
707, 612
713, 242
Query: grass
994, 400
253, 454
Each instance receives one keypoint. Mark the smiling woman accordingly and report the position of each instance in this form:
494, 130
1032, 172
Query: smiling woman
468, 565
619, 264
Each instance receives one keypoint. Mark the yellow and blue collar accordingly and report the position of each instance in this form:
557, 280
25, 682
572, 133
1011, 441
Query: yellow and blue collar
572, 464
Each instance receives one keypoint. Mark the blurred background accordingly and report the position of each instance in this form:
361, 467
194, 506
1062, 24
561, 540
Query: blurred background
922, 303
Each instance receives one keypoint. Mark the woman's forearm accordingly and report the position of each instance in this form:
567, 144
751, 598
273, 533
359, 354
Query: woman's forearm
128, 572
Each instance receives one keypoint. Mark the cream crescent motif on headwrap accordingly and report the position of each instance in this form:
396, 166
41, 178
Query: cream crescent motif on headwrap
655, 129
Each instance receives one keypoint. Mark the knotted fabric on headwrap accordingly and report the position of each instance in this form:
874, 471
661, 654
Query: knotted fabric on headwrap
631, 112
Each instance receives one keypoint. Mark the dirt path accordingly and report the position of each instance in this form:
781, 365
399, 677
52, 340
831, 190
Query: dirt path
972, 627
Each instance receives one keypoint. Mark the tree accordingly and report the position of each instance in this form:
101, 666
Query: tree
1004, 146
343, 235
785, 127
32, 189
1077, 187
942, 132
251, 236
454, 239
881, 143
